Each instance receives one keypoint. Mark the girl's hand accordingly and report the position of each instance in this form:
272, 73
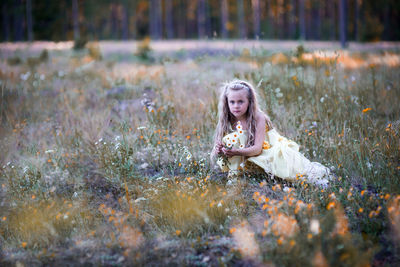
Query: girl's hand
230, 152
218, 148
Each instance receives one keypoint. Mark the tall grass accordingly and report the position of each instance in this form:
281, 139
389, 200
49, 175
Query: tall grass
104, 158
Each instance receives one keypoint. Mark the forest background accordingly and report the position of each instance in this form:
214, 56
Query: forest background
358, 20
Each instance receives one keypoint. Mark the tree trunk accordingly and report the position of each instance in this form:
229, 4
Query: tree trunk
29, 20
6, 25
255, 4
242, 25
155, 19
343, 22
292, 20
169, 19
302, 20
332, 20
18, 21
125, 21
356, 19
224, 18
386, 21
75, 19
114, 21
201, 19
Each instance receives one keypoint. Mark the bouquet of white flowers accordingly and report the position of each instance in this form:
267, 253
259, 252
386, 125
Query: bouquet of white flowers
236, 139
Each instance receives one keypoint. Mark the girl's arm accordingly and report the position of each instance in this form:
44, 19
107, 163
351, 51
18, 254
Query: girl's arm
254, 150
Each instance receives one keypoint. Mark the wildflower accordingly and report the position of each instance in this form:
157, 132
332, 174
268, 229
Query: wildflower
360, 210
366, 110
280, 241
178, 232
362, 192
292, 243
266, 145
33, 196
4, 218
314, 227
330, 205
232, 230
188, 137
23, 244
241, 146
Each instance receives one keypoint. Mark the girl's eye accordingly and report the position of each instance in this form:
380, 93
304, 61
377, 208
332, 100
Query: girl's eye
240, 101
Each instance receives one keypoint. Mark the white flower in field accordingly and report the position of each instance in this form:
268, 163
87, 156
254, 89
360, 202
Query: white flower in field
75, 195
49, 151
279, 95
277, 90
369, 165
141, 127
105, 143
101, 139
322, 99
117, 138
314, 226
65, 217
353, 79
229, 144
144, 165
25, 76
219, 205
189, 156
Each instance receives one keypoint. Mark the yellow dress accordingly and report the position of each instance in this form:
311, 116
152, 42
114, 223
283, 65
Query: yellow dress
280, 157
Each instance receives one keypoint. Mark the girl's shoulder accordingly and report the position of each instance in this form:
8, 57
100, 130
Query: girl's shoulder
262, 117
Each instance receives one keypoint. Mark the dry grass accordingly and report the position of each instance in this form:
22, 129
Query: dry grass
106, 159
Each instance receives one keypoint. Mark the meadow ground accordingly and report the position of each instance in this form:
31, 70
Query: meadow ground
105, 155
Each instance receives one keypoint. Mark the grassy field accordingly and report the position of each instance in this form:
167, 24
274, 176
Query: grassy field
105, 157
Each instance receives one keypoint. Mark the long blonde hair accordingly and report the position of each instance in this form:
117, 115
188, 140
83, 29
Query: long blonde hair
226, 118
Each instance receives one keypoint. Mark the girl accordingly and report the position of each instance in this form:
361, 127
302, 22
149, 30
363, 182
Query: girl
255, 141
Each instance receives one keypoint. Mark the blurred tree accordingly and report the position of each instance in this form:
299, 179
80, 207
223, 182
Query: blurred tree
241, 22
224, 18
302, 20
343, 22
5, 20
125, 19
255, 4
18, 20
29, 20
169, 25
155, 19
75, 19
357, 4
201, 18
292, 19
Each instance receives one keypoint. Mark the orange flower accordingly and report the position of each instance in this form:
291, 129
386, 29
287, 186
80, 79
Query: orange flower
23, 244
232, 230
330, 205
178, 232
366, 110
266, 145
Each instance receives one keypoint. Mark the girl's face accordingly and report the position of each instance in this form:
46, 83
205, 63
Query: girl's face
238, 103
